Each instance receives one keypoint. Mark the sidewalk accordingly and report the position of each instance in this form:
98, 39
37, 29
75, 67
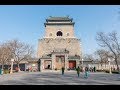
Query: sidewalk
57, 71
106, 82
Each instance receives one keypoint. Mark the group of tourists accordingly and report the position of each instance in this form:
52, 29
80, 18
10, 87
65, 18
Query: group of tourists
86, 71
78, 71
92, 69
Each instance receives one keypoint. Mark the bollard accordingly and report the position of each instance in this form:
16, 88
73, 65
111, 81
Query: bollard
0, 71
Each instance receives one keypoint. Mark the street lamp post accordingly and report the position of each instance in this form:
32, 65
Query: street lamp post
11, 70
109, 65
82, 61
82, 64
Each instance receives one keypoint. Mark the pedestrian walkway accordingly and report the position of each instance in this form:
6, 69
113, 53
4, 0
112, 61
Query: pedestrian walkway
55, 78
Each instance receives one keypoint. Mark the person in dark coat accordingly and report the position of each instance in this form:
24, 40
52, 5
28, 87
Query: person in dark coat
63, 70
78, 71
94, 69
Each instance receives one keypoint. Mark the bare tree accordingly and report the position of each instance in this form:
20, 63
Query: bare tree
20, 51
110, 41
5, 54
103, 56
89, 57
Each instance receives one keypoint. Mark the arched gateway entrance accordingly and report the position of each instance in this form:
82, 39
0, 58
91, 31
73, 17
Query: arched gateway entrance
72, 64
47, 64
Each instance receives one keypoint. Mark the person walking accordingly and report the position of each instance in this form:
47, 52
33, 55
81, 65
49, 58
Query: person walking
78, 71
94, 69
86, 72
63, 70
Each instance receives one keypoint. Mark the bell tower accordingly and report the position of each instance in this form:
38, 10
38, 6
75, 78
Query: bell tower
59, 27
59, 47
59, 35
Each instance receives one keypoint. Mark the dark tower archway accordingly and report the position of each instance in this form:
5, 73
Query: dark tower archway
59, 33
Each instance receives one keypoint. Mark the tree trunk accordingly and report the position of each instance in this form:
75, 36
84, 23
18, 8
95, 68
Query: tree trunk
116, 63
101, 66
2, 66
18, 67
105, 65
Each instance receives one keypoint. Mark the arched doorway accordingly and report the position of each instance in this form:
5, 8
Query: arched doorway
47, 64
72, 64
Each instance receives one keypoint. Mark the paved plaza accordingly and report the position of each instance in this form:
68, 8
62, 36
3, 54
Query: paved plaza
55, 78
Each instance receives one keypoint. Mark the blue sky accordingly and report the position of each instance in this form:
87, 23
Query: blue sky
26, 22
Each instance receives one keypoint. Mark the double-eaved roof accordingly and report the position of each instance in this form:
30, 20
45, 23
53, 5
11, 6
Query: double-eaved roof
59, 18
59, 21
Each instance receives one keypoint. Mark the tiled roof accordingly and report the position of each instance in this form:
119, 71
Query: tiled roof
30, 60
59, 21
59, 18
46, 56
73, 57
